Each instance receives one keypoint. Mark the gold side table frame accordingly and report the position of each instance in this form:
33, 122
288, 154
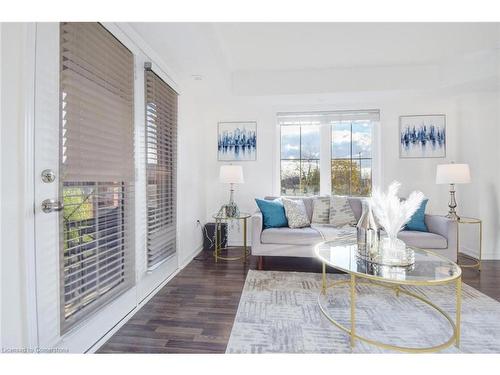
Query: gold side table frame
398, 288
218, 238
473, 221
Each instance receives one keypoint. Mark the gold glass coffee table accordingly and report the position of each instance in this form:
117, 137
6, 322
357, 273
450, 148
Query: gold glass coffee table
429, 269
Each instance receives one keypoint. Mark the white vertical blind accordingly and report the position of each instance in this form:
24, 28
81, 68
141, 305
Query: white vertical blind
97, 169
161, 160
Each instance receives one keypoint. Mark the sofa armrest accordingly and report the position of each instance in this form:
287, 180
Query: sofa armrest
257, 224
444, 227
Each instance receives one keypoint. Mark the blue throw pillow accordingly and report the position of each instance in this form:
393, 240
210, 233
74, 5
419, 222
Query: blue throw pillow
273, 213
417, 220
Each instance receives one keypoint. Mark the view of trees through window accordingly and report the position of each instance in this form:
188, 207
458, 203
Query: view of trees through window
352, 158
300, 147
351, 155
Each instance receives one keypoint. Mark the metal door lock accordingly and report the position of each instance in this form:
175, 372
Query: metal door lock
51, 205
48, 175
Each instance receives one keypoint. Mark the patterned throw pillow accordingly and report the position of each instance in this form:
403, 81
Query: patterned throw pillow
341, 212
296, 213
321, 210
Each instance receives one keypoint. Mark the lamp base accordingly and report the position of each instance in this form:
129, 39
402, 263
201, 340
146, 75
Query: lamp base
231, 210
453, 216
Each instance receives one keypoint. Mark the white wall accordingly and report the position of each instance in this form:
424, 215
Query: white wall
191, 175
478, 119
13, 207
262, 176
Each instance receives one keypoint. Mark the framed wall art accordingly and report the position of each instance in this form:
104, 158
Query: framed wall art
422, 136
237, 141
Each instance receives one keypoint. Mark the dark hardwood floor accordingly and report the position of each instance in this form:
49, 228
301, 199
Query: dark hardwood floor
194, 312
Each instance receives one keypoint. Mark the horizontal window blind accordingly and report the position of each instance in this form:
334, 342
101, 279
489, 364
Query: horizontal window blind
161, 162
97, 169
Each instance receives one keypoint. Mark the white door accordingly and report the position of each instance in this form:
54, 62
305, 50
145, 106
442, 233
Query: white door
48, 222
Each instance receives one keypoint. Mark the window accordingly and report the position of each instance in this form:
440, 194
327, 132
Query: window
97, 169
300, 154
352, 157
341, 139
161, 158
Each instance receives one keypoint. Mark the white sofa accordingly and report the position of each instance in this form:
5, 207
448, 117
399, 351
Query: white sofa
441, 238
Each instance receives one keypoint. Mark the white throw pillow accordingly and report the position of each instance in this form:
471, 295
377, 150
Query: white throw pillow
341, 212
296, 214
321, 210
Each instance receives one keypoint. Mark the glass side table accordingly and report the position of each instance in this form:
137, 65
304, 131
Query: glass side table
219, 219
476, 221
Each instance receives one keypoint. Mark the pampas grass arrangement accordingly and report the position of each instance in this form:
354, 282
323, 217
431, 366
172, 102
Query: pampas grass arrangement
392, 212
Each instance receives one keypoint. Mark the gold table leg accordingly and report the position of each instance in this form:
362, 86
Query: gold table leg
458, 290
244, 240
477, 260
480, 244
216, 250
353, 309
323, 286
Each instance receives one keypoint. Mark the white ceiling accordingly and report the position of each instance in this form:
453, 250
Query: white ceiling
201, 48
290, 46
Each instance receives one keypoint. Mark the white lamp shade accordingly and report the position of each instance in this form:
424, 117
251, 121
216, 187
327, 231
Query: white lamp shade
453, 174
231, 174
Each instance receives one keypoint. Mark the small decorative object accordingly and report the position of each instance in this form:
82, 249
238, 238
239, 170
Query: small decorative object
231, 174
452, 174
422, 136
368, 232
237, 141
392, 214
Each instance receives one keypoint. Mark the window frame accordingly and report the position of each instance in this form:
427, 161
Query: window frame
325, 160
300, 159
351, 158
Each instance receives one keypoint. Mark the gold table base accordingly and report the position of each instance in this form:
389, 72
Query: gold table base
218, 240
454, 338
217, 254
477, 260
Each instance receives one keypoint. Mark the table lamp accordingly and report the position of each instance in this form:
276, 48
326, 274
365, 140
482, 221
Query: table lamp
452, 174
231, 174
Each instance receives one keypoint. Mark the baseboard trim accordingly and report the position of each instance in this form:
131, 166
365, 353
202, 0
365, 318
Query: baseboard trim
99, 343
474, 253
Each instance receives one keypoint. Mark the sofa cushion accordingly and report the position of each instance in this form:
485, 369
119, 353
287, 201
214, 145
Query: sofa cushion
417, 220
296, 214
308, 202
423, 240
341, 212
356, 206
321, 210
289, 236
273, 213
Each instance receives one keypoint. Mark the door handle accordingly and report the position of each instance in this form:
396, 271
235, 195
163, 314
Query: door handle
51, 205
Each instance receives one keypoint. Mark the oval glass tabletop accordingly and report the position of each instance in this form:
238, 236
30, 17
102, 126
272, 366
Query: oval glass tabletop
429, 267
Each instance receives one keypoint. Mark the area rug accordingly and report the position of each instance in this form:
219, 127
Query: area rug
279, 313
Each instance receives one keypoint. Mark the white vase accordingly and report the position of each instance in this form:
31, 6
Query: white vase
393, 244
394, 251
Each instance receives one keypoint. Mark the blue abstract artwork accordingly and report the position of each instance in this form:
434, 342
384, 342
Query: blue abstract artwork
422, 136
237, 141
